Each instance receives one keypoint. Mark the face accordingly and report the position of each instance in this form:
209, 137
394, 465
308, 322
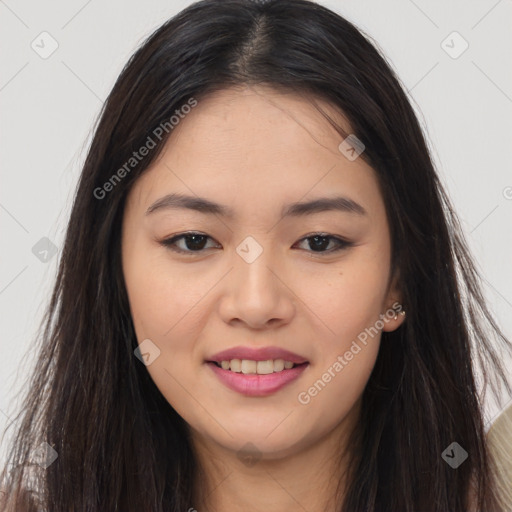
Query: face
258, 281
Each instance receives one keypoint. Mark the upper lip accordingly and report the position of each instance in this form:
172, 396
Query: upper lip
257, 354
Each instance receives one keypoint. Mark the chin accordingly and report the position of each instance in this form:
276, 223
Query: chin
269, 444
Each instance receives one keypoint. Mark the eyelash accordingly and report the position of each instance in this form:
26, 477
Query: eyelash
170, 243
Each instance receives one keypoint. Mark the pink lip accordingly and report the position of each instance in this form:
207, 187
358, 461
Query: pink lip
257, 385
257, 354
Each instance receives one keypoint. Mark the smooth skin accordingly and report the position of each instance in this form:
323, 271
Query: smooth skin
254, 150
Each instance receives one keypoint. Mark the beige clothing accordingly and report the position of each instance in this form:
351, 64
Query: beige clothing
500, 443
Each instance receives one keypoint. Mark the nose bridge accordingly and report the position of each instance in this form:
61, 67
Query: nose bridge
258, 294
254, 262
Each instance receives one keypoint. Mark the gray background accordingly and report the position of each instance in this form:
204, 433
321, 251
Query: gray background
49, 106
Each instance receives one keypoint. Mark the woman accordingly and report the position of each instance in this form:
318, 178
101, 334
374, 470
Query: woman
264, 301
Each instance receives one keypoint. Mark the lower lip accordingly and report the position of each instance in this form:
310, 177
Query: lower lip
254, 384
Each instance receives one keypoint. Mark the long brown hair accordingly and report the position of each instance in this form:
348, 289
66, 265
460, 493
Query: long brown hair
120, 445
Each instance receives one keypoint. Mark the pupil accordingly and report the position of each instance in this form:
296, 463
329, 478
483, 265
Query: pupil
321, 245
195, 244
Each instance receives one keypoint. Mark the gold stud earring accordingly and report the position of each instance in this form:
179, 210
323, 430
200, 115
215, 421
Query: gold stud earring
401, 312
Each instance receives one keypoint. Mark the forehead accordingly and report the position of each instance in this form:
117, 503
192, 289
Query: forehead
245, 120
251, 147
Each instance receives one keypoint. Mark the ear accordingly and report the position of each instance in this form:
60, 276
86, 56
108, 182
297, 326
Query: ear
393, 306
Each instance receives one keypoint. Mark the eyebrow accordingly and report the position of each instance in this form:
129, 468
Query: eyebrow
203, 205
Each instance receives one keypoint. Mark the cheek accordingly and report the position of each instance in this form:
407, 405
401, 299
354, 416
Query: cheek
166, 308
346, 300
164, 300
333, 391
349, 306
344, 362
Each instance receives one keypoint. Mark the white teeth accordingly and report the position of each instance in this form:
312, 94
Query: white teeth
265, 367
235, 365
278, 365
248, 366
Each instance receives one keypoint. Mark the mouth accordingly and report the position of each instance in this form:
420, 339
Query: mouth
256, 378
252, 367
257, 372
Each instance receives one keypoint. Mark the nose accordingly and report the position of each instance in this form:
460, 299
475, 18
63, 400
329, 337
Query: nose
257, 294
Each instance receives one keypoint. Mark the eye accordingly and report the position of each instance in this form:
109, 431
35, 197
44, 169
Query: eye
318, 242
196, 242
